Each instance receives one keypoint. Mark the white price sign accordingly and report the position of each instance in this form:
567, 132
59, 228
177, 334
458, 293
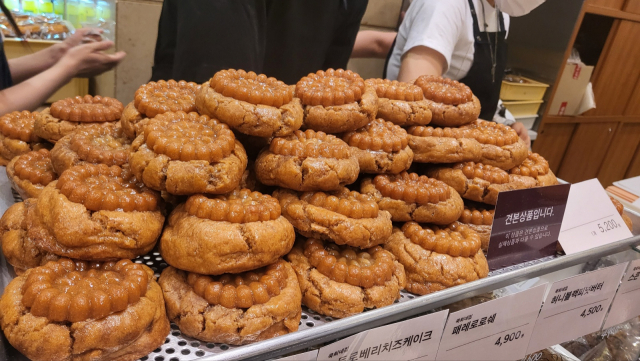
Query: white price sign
575, 306
590, 219
626, 306
494, 330
305, 356
406, 340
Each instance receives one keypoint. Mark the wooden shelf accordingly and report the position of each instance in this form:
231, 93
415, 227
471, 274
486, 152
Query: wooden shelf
619, 14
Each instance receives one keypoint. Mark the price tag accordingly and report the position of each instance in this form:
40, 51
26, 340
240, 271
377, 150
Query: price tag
575, 306
494, 330
591, 219
407, 340
305, 356
626, 306
526, 225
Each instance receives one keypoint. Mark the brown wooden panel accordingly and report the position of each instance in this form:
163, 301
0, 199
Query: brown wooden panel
617, 71
586, 151
632, 6
625, 142
552, 142
634, 167
633, 107
616, 4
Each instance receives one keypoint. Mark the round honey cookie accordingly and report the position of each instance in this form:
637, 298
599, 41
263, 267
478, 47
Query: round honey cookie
231, 233
381, 147
437, 258
480, 182
480, 220
31, 172
234, 309
156, 98
536, 167
409, 197
481, 141
343, 216
336, 101
187, 153
251, 104
66, 115
452, 103
17, 136
97, 145
84, 311
307, 161
400, 103
95, 212
340, 281
19, 250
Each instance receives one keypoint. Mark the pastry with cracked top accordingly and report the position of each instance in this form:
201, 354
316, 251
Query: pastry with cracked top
480, 141
251, 104
437, 258
343, 216
231, 233
17, 136
452, 103
400, 103
410, 197
536, 167
75, 310
336, 101
381, 147
187, 153
29, 173
307, 161
480, 182
234, 309
156, 98
479, 218
66, 115
95, 212
340, 281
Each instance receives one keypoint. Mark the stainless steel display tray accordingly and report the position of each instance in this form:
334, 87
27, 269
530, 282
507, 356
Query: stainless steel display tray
316, 329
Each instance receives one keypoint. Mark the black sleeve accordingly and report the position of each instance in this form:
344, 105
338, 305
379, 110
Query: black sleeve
166, 43
339, 51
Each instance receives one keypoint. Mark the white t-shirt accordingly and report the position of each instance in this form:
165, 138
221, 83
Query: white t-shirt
445, 26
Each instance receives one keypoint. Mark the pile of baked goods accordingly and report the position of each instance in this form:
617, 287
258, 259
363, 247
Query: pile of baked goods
336, 193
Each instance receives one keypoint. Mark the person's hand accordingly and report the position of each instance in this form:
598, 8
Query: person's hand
523, 133
88, 60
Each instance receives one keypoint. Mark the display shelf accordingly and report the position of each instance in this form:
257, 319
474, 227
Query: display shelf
316, 329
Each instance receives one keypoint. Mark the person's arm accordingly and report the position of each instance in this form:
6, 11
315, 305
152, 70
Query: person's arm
421, 60
82, 60
373, 44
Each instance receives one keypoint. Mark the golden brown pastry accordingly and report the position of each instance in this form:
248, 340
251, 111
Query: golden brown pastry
400, 103
481, 141
536, 167
31, 172
436, 258
336, 101
234, 309
251, 104
17, 136
340, 281
343, 217
95, 212
186, 153
97, 145
381, 147
68, 310
480, 182
409, 197
452, 103
67, 115
307, 161
19, 249
480, 220
156, 98
620, 209
232, 233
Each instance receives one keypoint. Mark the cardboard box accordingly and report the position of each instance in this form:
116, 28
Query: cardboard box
571, 89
